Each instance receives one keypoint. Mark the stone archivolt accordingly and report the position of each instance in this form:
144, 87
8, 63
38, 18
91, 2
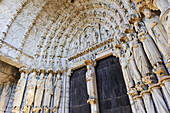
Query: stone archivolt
82, 32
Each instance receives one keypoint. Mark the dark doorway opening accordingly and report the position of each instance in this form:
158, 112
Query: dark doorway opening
78, 92
111, 87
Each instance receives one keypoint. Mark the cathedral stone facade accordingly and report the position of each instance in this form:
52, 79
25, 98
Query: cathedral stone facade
84, 56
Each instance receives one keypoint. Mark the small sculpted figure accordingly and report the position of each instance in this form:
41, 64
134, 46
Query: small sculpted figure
30, 92
19, 92
90, 84
39, 93
48, 93
57, 94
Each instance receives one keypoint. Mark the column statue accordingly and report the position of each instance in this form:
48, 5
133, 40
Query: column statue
6, 93
132, 65
57, 94
139, 55
126, 71
92, 87
158, 33
30, 91
150, 49
90, 84
19, 92
48, 92
39, 92
148, 44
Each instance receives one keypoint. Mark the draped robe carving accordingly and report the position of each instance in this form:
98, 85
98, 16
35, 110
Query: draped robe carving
6, 92
148, 44
158, 33
19, 92
57, 94
48, 92
39, 93
29, 99
90, 84
139, 56
132, 65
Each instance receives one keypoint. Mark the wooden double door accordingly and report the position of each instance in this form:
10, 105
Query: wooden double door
112, 94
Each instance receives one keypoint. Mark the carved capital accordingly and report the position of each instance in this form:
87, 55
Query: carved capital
50, 70
69, 72
149, 79
42, 70
90, 62
132, 92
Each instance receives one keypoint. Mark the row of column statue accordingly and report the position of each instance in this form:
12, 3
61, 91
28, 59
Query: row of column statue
142, 55
38, 92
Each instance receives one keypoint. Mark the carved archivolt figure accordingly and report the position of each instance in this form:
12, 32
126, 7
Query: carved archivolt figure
5, 96
139, 55
158, 33
30, 92
90, 84
48, 92
57, 94
39, 93
19, 92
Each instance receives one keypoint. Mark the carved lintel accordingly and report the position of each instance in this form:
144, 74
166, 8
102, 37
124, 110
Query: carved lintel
90, 62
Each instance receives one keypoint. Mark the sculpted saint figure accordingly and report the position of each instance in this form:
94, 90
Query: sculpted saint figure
93, 38
6, 92
19, 92
90, 84
139, 55
126, 71
57, 94
132, 65
103, 33
158, 33
148, 44
39, 92
74, 47
48, 92
29, 99
82, 41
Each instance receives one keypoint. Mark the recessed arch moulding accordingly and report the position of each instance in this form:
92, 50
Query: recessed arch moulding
82, 32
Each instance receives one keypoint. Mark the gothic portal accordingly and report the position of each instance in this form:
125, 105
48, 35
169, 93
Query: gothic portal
84, 56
